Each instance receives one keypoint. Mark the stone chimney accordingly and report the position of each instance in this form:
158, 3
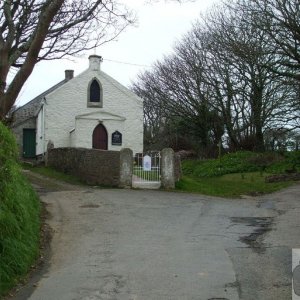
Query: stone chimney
95, 62
69, 74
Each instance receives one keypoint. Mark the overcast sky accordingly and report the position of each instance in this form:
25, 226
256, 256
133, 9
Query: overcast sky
159, 25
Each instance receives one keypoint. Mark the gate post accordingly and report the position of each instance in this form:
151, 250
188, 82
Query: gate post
126, 163
168, 168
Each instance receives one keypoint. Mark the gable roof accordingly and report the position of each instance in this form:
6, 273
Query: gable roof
30, 109
121, 87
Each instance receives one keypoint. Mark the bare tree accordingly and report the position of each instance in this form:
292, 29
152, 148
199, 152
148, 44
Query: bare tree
249, 93
35, 30
279, 20
177, 92
219, 77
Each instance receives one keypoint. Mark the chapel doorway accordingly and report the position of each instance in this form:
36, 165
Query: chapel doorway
100, 137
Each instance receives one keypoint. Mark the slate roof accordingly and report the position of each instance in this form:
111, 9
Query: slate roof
31, 108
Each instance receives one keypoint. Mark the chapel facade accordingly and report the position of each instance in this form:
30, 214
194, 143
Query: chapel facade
91, 110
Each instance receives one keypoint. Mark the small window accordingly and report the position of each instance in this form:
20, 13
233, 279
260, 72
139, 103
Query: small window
94, 94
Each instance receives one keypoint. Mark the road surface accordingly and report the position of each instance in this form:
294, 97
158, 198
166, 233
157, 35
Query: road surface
155, 245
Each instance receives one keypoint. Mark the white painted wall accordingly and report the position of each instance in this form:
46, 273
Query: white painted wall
40, 133
85, 126
122, 111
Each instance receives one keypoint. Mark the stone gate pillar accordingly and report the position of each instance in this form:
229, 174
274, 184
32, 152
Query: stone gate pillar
126, 166
168, 168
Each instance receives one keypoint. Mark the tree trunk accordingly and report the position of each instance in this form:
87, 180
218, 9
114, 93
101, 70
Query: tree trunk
257, 99
8, 97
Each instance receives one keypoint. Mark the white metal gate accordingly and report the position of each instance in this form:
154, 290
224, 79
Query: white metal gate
146, 170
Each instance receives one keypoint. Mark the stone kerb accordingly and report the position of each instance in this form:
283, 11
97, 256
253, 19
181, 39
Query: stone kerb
168, 168
126, 168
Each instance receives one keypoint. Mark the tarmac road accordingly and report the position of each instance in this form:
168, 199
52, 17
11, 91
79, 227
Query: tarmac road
155, 245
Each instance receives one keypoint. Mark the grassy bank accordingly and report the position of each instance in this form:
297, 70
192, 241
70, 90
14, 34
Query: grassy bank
19, 216
240, 173
51, 173
230, 185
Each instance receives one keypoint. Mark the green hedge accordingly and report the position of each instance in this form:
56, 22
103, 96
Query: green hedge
19, 216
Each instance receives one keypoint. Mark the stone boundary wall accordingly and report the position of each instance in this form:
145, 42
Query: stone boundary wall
109, 168
94, 167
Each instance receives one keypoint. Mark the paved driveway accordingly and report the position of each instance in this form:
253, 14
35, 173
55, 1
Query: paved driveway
154, 245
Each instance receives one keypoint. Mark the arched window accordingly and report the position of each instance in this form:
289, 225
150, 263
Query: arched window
95, 93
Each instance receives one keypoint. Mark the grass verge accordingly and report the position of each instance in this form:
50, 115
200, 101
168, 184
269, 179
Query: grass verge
230, 185
19, 217
239, 173
51, 173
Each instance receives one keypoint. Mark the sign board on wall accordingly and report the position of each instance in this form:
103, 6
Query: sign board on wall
116, 138
147, 163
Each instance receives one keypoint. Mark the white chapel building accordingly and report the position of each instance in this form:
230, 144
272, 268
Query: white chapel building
91, 110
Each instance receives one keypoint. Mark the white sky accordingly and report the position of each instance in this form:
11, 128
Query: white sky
159, 25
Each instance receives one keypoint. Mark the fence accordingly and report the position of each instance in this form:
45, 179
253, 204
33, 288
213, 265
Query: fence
146, 170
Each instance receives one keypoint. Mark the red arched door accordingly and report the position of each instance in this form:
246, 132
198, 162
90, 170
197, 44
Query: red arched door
100, 137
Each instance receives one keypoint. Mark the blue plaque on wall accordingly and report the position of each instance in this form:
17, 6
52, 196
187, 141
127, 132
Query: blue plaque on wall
116, 138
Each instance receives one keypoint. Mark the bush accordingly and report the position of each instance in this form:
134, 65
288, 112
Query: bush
264, 160
19, 216
243, 162
230, 163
